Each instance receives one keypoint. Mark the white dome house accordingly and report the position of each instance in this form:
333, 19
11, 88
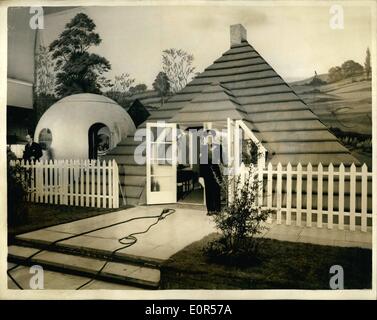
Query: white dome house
83, 126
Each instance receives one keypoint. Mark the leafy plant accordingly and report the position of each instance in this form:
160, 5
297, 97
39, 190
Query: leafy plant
18, 179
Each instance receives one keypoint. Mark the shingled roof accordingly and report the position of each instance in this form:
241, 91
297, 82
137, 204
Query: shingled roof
242, 85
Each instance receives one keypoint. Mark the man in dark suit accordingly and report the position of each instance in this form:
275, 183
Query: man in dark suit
210, 159
33, 150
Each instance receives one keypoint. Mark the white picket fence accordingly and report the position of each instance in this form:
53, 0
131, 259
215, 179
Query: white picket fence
324, 197
88, 183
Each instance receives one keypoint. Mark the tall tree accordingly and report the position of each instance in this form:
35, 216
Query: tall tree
161, 85
367, 65
78, 70
44, 89
44, 75
177, 65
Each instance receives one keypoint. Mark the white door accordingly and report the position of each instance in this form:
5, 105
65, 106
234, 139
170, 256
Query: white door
161, 163
233, 154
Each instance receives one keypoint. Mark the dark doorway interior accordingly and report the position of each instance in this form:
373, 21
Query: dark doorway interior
94, 140
190, 186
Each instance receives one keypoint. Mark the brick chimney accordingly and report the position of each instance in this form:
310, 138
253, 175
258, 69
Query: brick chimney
238, 34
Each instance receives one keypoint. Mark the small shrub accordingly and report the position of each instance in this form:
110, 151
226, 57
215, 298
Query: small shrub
18, 179
246, 254
240, 220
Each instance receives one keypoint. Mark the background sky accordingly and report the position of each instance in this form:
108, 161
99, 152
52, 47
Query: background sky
295, 40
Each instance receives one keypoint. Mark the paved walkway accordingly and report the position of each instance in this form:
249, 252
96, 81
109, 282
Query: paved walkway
176, 232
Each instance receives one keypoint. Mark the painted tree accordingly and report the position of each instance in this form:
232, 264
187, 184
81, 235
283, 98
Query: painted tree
44, 89
77, 69
178, 66
44, 72
123, 83
139, 88
120, 89
351, 68
162, 85
367, 65
335, 74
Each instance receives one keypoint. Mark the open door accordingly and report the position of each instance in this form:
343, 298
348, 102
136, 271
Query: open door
161, 163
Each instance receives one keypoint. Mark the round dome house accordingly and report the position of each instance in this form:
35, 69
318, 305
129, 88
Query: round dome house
83, 126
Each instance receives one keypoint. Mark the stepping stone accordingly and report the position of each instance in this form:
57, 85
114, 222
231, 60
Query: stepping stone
60, 281
125, 273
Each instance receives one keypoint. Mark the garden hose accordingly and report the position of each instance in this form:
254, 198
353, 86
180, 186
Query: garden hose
126, 242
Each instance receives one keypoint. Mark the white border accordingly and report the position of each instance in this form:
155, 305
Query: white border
170, 294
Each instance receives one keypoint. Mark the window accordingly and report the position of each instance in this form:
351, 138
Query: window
45, 138
250, 152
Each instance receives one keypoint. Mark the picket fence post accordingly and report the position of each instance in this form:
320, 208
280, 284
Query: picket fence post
330, 196
309, 194
319, 195
279, 193
269, 190
289, 194
115, 185
299, 195
341, 197
364, 197
352, 197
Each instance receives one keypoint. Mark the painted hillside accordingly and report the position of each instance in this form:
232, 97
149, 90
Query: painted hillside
346, 108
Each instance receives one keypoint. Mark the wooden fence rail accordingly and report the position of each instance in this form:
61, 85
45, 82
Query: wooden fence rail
88, 183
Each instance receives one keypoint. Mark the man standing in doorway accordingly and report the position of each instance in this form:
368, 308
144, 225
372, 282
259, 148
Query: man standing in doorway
33, 150
210, 159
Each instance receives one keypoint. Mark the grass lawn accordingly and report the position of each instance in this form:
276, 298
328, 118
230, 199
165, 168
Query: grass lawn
283, 265
46, 215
